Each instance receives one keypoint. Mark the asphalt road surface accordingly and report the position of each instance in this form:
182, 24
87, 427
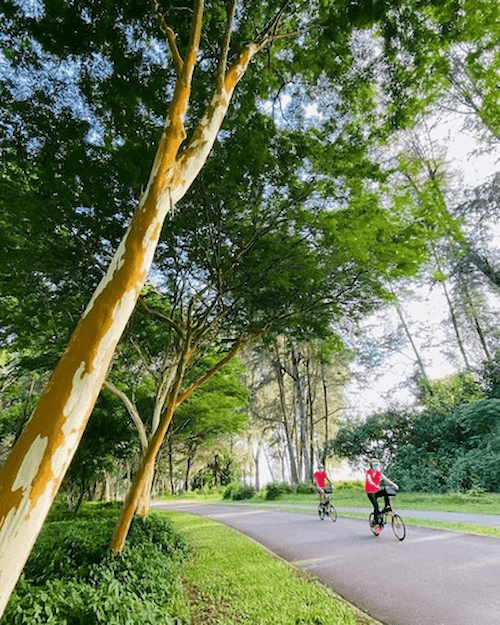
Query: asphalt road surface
433, 577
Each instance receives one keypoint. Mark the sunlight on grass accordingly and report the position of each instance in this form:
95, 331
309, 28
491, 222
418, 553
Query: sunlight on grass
259, 587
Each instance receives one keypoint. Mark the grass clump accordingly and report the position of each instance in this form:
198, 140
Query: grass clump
71, 577
242, 583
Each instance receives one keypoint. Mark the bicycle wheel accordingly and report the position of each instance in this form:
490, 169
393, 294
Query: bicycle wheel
398, 527
332, 513
321, 511
373, 527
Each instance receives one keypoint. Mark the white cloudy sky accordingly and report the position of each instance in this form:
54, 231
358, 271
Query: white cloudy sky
428, 309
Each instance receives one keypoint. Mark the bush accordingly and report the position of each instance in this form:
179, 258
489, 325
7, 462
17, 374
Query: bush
242, 491
305, 488
228, 491
476, 470
354, 485
275, 489
416, 470
71, 578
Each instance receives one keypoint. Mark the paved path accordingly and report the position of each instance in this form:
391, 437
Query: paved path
433, 577
451, 517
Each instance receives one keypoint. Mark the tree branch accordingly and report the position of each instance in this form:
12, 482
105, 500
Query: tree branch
133, 412
221, 69
238, 345
171, 38
141, 305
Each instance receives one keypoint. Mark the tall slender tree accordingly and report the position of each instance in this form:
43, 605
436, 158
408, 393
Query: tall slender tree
314, 41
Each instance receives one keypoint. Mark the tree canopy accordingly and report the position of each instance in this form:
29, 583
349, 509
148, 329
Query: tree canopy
89, 92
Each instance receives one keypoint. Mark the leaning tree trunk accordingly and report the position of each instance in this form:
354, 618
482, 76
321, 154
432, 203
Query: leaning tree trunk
302, 416
293, 465
412, 342
456, 329
175, 399
34, 470
139, 484
325, 402
145, 498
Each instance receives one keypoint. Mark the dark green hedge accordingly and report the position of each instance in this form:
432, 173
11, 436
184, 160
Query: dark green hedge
71, 578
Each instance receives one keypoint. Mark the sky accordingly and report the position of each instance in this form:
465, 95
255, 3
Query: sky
427, 311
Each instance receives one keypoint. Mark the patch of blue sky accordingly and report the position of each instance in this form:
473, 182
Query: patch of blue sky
153, 50
31, 8
99, 67
59, 81
33, 145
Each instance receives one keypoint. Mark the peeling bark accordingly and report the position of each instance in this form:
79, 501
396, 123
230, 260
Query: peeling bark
33, 472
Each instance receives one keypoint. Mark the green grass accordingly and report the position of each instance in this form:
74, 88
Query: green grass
465, 528
473, 502
233, 580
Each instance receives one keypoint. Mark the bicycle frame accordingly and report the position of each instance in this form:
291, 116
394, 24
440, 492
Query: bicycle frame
397, 523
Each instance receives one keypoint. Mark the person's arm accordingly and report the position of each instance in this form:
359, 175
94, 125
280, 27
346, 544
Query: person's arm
389, 482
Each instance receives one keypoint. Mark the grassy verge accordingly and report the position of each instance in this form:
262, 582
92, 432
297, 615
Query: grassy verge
232, 580
472, 502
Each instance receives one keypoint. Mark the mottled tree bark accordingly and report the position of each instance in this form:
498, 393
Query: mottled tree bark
33, 472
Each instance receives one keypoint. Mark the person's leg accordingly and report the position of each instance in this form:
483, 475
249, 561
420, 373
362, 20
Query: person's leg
383, 493
376, 511
387, 501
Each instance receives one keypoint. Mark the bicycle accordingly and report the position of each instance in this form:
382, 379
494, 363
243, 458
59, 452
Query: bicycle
397, 523
325, 508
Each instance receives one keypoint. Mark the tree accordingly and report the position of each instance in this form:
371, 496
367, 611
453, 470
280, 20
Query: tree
215, 411
380, 436
51, 437
274, 369
444, 395
76, 381
452, 452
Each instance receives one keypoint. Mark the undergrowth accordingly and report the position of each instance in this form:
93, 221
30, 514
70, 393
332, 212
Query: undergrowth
71, 577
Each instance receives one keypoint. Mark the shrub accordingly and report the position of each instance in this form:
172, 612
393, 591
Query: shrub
71, 578
478, 469
228, 491
242, 491
275, 489
305, 488
354, 485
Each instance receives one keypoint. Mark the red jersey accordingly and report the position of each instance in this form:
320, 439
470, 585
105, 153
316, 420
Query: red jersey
320, 477
375, 478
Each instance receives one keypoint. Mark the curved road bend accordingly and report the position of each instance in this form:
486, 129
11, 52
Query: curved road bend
433, 577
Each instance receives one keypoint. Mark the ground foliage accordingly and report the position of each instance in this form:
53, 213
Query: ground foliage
71, 578
246, 585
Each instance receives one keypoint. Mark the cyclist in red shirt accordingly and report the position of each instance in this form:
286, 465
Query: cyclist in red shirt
321, 478
375, 485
